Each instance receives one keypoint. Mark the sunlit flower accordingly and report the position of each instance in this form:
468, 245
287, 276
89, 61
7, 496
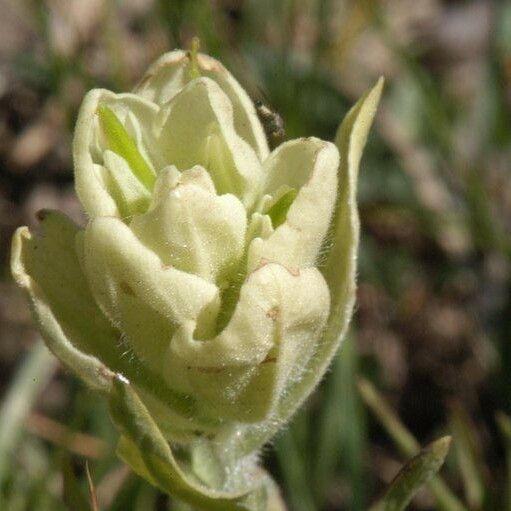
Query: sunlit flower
216, 278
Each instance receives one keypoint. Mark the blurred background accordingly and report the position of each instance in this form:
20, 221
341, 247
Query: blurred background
433, 322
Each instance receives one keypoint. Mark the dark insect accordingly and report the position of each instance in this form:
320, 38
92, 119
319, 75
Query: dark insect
272, 123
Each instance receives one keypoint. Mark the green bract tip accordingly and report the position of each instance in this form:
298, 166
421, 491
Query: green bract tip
279, 210
194, 71
121, 143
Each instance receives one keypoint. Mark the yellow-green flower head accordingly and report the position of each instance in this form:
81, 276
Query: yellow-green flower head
196, 277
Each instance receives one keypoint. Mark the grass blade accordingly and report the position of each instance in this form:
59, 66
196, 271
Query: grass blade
341, 430
31, 378
73, 494
293, 469
413, 475
469, 460
405, 442
504, 422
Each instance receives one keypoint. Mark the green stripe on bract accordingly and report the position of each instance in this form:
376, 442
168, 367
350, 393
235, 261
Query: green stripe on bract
120, 142
278, 211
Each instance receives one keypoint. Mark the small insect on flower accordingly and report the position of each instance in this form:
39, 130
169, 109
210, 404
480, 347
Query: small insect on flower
272, 122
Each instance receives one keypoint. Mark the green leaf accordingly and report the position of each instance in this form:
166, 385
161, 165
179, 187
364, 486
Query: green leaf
406, 442
120, 142
146, 450
413, 475
469, 458
26, 386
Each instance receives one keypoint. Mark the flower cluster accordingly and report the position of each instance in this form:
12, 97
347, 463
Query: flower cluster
196, 278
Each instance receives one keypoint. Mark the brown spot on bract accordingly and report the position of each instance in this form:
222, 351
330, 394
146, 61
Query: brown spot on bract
105, 373
145, 79
269, 360
42, 214
295, 272
206, 63
273, 313
126, 288
262, 262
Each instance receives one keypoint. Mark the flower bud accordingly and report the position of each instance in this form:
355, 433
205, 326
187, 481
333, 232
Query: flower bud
196, 278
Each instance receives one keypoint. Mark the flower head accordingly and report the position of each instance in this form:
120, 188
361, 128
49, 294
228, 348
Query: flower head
196, 277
